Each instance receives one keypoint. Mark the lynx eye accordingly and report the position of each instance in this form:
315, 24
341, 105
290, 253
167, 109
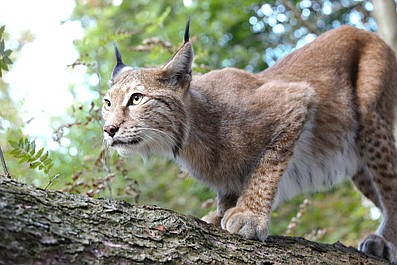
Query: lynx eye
106, 103
136, 98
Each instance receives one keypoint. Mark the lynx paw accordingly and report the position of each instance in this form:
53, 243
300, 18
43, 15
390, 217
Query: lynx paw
378, 246
212, 218
245, 223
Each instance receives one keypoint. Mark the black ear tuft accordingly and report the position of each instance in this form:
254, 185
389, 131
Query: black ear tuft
186, 36
118, 55
119, 62
178, 70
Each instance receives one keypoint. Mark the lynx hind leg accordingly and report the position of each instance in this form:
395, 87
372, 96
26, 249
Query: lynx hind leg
364, 183
378, 152
377, 245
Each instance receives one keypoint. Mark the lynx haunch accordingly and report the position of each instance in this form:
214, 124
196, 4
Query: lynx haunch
321, 114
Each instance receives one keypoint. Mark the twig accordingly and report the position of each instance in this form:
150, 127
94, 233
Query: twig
51, 181
106, 166
3, 162
295, 220
104, 160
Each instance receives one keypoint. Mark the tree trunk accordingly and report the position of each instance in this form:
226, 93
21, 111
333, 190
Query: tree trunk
385, 15
50, 227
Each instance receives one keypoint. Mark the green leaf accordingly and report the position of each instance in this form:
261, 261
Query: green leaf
7, 60
25, 151
32, 147
21, 143
1, 46
3, 65
26, 144
7, 52
35, 164
2, 29
13, 144
44, 157
19, 155
40, 152
24, 159
13, 152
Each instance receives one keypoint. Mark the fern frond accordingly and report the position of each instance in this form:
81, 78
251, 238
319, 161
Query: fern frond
25, 151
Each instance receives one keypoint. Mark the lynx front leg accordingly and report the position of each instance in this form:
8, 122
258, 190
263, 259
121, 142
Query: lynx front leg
224, 202
251, 216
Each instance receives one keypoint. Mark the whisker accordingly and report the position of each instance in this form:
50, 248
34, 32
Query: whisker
169, 138
155, 141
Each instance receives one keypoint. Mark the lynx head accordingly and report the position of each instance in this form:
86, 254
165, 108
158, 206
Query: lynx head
144, 110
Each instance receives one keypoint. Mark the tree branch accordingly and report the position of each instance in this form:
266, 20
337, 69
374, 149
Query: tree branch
50, 227
386, 17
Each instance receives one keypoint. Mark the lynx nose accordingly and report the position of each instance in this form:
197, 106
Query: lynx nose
110, 129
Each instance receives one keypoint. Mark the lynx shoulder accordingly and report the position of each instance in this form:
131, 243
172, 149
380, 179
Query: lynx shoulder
324, 113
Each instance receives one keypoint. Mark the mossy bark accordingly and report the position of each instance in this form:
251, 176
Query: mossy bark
49, 227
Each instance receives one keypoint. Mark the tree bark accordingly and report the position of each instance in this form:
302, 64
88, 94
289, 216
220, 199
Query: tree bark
385, 15
49, 227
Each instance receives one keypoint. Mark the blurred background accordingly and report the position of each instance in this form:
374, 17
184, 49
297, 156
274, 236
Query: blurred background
62, 57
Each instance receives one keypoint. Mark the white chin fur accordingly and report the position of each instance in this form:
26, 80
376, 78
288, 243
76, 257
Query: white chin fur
122, 150
108, 140
125, 151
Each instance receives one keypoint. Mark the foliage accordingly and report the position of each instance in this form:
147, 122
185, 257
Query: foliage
8, 108
246, 34
4, 54
25, 151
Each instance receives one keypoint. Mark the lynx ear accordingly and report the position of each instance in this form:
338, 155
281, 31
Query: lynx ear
119, 62
179, 68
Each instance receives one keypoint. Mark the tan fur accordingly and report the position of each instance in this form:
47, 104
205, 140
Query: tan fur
323, 113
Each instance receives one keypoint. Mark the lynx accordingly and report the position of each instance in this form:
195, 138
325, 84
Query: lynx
321, 114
